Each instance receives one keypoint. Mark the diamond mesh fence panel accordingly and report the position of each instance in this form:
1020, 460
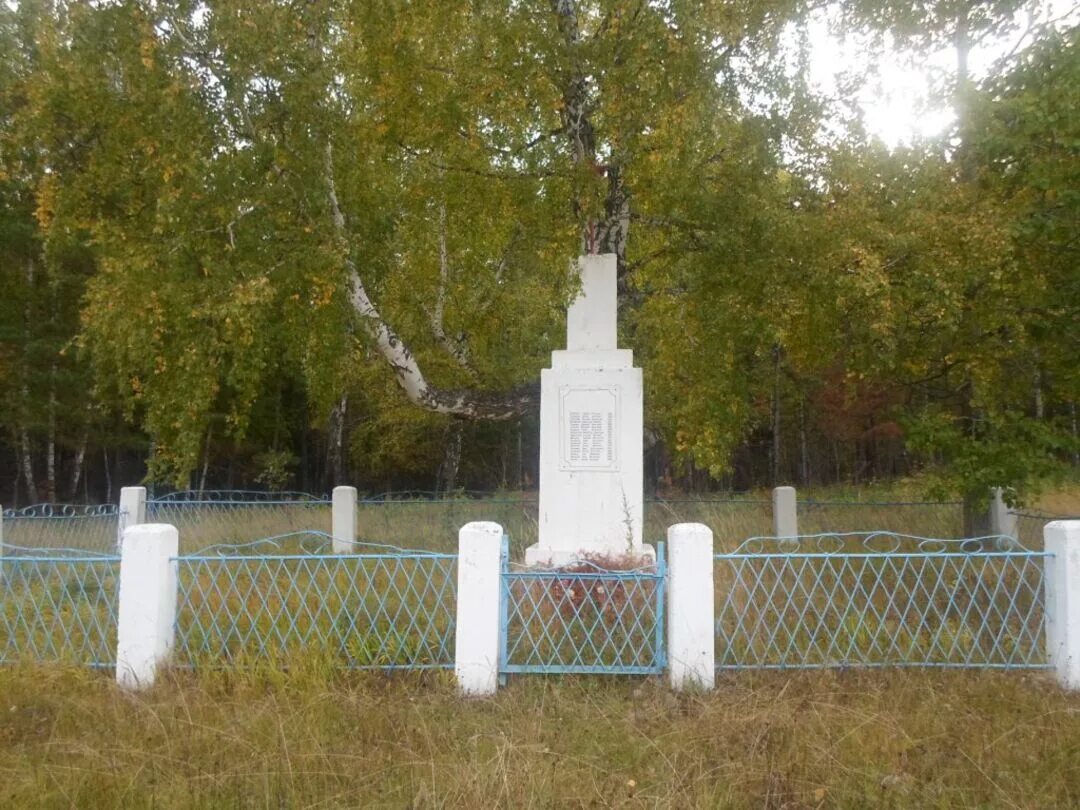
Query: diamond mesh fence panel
236, 517
60, 526
879, 599
583, 618
59, 608
374, 609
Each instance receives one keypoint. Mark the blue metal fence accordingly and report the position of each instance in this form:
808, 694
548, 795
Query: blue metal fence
583, 618
58, 605
61, 526
237, 516
879, 599
831, 600
377, 608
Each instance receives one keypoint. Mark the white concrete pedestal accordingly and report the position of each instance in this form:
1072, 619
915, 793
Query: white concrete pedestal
591, 424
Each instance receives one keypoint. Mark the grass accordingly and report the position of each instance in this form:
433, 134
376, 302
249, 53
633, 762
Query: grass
314, 738
204, 525
433, 524
60, 610
289, 731
87, 532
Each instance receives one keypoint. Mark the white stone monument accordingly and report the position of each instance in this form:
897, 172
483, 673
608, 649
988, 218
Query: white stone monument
591, 463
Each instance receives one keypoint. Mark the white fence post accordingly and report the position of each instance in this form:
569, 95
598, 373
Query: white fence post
343, 520
691, 632
1062, 541
476, 637
1003, 520
132, 510
785, 513
144, 630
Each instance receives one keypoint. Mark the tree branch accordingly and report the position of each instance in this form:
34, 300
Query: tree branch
609, 234
457, 402
486, 173
457, 349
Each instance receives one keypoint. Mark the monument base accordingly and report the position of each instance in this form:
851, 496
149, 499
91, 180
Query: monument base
541, 557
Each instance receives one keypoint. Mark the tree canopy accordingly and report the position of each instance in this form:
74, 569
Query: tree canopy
275, 231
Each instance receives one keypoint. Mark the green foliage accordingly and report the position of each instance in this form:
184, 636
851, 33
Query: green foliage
1012, 451
195, 186
43, 381
275, 469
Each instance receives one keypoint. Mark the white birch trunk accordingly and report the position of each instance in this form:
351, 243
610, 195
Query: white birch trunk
396, 353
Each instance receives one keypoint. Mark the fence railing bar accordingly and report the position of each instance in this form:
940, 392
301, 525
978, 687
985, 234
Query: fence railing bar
60, 511
927, 545
631, 576
256, 558
236, 496
811, 502
832, 555
882, 665
46, 555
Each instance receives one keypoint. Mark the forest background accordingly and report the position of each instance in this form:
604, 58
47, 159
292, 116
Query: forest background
294, 244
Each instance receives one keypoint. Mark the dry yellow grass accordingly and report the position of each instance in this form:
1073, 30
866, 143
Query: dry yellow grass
314, 738
1062, 501
319, 737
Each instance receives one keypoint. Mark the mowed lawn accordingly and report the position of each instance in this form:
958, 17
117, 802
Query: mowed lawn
317, 738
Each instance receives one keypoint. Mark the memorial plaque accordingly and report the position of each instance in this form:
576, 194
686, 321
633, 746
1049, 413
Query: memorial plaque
588, 427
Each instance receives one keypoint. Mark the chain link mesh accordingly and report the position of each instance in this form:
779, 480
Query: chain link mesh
879, 599
385, 610
583, 618
59, 608
1030, 524
431, 522
839, 598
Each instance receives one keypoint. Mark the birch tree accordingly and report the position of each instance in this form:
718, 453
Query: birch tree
310, 185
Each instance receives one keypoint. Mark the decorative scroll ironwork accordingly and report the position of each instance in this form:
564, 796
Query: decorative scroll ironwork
61, 526
60, 510
879, 542
937, 518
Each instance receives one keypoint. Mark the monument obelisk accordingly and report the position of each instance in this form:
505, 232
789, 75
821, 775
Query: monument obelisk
591, 413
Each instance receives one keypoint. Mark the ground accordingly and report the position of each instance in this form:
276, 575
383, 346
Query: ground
70, 738
317, 737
